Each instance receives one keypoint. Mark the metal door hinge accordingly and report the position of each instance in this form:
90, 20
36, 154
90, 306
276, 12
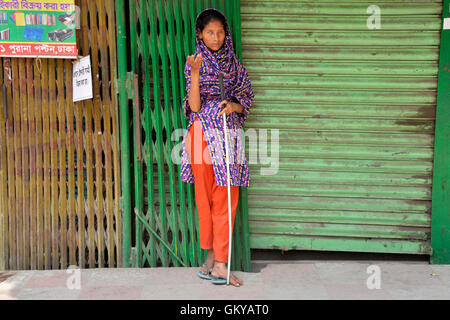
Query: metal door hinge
130, 84
121, 204
133, 257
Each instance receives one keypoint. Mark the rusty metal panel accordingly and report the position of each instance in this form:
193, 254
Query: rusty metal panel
59, 160
355, 110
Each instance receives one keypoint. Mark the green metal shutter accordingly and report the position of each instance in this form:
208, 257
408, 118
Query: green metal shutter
355, 109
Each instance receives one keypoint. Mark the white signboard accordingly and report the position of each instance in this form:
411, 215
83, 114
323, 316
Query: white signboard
446, 23
82, 79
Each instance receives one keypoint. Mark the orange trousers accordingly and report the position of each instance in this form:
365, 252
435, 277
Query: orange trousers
211, 199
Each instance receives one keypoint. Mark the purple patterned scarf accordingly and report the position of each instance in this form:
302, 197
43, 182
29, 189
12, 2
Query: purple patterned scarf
236, 82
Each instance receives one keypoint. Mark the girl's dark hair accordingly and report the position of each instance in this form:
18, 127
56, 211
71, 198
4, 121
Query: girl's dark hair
208, 16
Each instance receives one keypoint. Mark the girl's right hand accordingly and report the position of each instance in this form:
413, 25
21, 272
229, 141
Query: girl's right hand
195, 62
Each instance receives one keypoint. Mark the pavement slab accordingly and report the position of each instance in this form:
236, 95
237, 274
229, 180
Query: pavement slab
310, 280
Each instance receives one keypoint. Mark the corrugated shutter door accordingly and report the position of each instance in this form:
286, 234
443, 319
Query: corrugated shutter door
355, 109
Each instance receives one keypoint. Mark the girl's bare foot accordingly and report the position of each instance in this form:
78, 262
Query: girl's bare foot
209, 262
220, 271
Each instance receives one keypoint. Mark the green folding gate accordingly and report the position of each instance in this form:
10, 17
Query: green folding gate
161, 36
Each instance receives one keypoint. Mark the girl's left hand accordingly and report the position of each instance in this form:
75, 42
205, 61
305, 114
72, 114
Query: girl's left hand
228, 107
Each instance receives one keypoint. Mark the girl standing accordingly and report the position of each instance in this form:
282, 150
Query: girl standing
203, 159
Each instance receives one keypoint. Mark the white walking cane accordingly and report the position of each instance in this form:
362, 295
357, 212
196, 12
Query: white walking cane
222, 93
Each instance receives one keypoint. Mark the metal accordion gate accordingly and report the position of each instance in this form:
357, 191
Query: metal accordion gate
59, 160
161, 36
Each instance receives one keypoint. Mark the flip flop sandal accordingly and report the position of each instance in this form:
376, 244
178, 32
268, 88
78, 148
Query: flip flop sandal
215, 280
207, 275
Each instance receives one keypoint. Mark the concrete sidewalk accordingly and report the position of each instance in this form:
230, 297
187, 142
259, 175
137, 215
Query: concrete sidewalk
289, 280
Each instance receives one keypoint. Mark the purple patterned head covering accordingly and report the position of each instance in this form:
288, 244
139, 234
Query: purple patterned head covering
221, 60
236, 83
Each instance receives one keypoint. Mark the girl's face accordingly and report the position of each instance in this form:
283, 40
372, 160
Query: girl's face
213, 35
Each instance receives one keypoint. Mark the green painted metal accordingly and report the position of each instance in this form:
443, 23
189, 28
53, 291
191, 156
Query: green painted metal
440, 222
138, 168
142, 220
177, 113
355, 109
161, 36
124, 134
243, 192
